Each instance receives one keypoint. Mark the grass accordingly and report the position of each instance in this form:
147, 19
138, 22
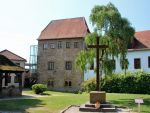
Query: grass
54, 104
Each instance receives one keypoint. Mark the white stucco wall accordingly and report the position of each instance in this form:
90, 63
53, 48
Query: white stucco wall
131, 55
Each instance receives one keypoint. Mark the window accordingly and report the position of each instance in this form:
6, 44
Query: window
50, 65
92, 66
76, 44
68, 84
50, 83
68, 44
52, 46
59, 44
137, 63
45, 46
149, 61
68, 65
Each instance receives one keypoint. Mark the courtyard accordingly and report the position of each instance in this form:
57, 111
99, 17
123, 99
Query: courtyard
55, 102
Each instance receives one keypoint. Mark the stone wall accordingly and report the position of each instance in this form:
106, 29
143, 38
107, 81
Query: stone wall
59, 56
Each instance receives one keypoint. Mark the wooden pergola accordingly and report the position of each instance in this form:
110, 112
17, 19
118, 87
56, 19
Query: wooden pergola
6, 68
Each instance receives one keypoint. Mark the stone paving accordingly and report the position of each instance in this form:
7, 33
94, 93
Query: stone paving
75, 109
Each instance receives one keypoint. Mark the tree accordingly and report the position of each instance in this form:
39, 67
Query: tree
113, 30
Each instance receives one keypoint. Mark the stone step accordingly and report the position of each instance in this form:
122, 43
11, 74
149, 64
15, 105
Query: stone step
108, 110
88, 109
101, 105
90, 105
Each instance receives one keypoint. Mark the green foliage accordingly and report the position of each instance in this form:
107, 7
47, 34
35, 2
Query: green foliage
133, 82
113, 30
39, 88
89, 85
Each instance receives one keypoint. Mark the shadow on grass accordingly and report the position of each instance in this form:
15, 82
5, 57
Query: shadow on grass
131, 104
19, 105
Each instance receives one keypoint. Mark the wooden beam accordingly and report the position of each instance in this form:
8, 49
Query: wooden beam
1, 83
20, 82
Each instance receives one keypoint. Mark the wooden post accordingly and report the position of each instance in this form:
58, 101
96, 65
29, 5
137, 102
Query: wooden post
97, 64
20, 82
1, 83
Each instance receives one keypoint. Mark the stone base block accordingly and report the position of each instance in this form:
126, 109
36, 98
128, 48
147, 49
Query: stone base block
97, 96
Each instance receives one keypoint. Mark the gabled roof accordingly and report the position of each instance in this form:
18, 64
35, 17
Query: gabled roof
65, 28
143, 37
12, 56
141, 40
8, 66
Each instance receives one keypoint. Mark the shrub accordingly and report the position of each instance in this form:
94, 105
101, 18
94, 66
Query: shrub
39, 88
135, 82
89, 85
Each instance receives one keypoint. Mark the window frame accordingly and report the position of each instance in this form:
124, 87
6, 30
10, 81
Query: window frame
45, 46
68, 45
59, 44
52, 46
51, 65
50, 83
68, 65
76, 44
148, 61
137, 63
67, 83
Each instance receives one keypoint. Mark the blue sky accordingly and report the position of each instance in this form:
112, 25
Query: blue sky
21, 21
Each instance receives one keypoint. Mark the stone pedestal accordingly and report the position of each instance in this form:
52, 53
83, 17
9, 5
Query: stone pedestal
97, 96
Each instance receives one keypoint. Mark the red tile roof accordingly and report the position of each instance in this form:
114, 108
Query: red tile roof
141, 40
65, 28
11, 56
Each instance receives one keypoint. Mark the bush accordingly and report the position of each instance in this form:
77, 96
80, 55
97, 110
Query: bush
135, 82
39, 88
89, 85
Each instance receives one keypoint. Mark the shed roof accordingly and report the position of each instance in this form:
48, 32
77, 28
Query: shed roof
8, 65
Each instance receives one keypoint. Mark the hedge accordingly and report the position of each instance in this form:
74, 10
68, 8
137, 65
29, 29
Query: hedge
133, 82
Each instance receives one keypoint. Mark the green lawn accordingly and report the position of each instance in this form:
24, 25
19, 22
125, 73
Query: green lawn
54, 104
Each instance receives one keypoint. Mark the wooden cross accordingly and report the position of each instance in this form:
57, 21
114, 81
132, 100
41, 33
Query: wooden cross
98, 47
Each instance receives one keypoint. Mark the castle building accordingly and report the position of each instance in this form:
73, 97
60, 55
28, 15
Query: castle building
58, 45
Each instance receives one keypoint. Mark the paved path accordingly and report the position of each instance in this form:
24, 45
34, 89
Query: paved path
29, 96
75, 109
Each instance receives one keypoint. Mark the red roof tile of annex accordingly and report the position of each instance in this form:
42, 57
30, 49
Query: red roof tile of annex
143, 37
12, 56
65, 28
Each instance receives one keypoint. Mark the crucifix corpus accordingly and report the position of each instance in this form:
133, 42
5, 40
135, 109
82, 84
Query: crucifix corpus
98, 47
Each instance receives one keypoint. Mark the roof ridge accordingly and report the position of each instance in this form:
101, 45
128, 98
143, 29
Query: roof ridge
60, 20
141, 31
68, 18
